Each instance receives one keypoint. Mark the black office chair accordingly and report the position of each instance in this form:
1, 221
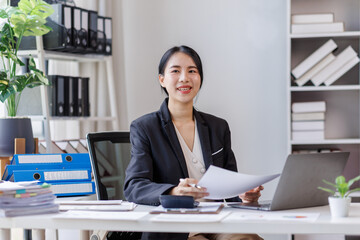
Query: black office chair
110, 156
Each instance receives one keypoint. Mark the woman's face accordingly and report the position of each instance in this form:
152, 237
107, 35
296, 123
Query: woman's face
181, 78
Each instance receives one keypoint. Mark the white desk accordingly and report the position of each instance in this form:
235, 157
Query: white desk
323, 225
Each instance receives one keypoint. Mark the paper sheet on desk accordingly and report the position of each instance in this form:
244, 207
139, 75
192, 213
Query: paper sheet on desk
126, 216
222, 183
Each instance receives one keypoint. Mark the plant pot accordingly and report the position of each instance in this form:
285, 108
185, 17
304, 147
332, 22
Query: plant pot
16, 127
339, 207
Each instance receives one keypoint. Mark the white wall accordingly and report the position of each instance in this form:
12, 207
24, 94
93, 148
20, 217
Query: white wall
242, 44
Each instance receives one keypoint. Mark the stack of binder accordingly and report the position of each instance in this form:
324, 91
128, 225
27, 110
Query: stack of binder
75, 30
68, 174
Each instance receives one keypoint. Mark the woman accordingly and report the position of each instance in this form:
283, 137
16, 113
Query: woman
178, 142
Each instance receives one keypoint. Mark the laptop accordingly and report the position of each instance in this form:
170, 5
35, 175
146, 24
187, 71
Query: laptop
300, 179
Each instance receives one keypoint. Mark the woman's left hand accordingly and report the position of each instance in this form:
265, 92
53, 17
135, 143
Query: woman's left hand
252, 195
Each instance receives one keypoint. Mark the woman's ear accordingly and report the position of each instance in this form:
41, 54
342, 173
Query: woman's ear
161, 80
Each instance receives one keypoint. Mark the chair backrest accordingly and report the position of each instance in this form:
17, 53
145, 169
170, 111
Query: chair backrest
110, 156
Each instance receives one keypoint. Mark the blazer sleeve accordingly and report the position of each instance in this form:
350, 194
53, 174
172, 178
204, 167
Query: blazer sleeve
139, 184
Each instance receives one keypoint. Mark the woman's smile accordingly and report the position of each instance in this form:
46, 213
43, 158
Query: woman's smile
185, 89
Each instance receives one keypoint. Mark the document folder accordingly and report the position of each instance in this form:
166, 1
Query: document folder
101, 38
59, 95
77, 33
93, 21
73, 188
64, 158
61, 37
83, 101
10, 169
84, 29
51, 175
73, 96
108, 34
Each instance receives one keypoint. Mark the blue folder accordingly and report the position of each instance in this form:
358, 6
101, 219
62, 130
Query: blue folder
37, 159
73, 188
51, 175
11, 168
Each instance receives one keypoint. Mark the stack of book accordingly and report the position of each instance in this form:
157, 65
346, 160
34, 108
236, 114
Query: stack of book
26, 198
315, 23
308, 120
65, 146
323, 67
68, 174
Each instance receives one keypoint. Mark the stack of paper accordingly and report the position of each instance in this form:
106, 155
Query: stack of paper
315, 23
26, 198
308, 120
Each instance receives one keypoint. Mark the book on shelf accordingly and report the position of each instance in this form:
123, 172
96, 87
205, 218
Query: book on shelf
308, 107
308, 116
78, 146
312, 18
315, 69
344, 69
308, 125
318, 28
308, 135
314, 58
65, 146
340, 60
54, 147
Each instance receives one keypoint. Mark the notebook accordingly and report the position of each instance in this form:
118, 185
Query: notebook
300, 179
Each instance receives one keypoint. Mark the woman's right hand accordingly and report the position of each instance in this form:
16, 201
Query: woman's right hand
187, 187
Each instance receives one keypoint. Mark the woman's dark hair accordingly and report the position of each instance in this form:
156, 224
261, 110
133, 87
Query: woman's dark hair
184, 49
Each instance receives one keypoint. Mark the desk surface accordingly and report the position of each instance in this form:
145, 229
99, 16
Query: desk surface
324, 224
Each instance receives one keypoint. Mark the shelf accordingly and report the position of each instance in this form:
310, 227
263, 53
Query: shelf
327, 141
325, 35
56, 55
325, 88
53, 118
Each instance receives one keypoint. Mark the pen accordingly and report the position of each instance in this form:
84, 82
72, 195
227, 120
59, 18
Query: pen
191, 184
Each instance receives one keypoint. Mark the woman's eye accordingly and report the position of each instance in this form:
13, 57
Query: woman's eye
192, 71
175, 71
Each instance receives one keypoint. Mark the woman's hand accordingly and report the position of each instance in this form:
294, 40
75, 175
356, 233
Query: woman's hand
187, 187
252, 195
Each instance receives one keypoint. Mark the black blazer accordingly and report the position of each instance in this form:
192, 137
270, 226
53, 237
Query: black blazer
157, 160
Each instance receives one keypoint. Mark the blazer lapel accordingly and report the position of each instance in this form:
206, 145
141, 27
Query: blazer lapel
203, 131
173, 139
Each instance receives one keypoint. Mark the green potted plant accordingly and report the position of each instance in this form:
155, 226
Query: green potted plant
340, 200
27, 19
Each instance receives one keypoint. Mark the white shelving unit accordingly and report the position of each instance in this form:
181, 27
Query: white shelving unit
342, 118
43, 55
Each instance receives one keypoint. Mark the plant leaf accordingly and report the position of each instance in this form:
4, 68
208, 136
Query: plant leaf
327, 190
351, 181
3, 13
36, 7
340, 180
330, 183
353, 190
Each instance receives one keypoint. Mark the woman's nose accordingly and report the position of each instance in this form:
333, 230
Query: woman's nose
183, 77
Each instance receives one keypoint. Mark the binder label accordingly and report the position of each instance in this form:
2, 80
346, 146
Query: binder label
72, 188
65, 175
38, 158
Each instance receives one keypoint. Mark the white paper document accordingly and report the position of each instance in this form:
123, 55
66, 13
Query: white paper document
222, 183
281, 216
125, 206
163, 217
126, 216
93, 202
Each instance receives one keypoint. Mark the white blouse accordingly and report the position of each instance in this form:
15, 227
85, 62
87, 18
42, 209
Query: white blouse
194, 159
